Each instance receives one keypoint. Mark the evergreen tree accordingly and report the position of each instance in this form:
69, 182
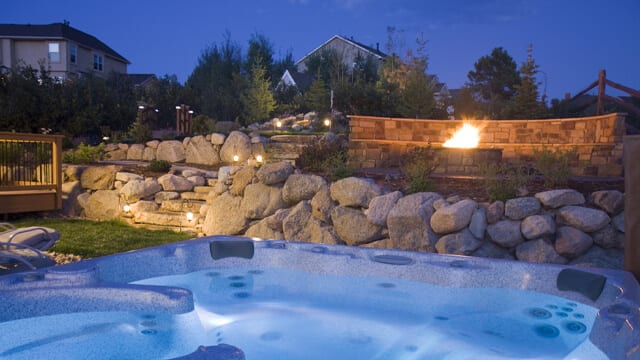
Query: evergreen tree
318, 97
525, 103
493, 82
416, 96
257, 101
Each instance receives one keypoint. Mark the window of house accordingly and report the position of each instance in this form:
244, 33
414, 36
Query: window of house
73, 54
97, 62
54, 52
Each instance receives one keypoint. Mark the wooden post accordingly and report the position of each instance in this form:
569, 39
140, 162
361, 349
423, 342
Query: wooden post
632, 205
602, 82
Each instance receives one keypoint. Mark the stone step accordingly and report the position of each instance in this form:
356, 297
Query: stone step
203, 189
183, 206
166, 218
191, 196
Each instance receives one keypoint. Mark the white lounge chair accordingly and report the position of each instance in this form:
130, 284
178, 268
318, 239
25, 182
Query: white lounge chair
25, 245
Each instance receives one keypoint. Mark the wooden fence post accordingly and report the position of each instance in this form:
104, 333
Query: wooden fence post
602, 82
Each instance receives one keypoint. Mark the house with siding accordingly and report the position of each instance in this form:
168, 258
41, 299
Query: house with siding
63, 50
348, 50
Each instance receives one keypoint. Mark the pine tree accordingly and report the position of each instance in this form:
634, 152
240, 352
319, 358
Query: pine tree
525, 104
318, 96
257, 100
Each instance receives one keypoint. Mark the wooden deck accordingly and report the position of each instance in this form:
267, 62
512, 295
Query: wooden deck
30, 172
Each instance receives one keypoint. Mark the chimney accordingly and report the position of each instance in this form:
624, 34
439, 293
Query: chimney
377, 46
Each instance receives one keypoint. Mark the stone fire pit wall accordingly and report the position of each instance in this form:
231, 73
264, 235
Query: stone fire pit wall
381, 142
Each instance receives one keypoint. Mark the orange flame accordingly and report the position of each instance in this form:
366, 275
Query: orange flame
467, 137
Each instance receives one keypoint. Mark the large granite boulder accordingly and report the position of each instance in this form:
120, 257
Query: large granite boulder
171, 182
491, 250
300, 225
618, 222
262, 230
237, 143
99, 177
505, 233
135, 152
559, 198
478, 224
241, 179
127, 176
217, 139
171, 151
299, 187
452, 218
571, 242
322, 204
352, 226
103, 205
608, 237
149, 154
537, 226
225, 216
261, 200
354, 191
200, 151
380, 206
540, 251
408, 222
495, 212
136, 190
520, 208
585, 219
460, 243
611, 201
274, 173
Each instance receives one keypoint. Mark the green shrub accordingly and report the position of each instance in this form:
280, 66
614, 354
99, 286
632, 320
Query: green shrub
139, 132
336, 166
159, 166
202, 125
84, 154
502, 181
416, 166
554, 165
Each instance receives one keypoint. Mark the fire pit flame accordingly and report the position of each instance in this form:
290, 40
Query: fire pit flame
466, 137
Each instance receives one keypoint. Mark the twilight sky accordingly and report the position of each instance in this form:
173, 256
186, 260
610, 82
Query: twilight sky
571, 40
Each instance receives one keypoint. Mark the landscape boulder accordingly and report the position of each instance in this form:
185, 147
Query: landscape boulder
380, 206
136, 190
225, 216
103, 205
200, 151
352, 226
559, 198
99, 177
452, 218
537, 226
520, 208
408, 222
354, 191
539, 251
585, 219
460, 243
237, 143
171, 151
274, 173
175, 183
299, 187
571, 242
611, 201
505, 233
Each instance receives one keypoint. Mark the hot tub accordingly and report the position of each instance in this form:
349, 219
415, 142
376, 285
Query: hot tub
226, 297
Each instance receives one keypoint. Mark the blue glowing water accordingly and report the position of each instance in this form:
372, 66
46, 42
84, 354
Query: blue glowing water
288, 314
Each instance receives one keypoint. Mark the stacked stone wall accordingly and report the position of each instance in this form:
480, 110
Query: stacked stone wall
381, 142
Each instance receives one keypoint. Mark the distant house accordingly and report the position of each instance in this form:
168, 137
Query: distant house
141, 80
348, 49
63, 50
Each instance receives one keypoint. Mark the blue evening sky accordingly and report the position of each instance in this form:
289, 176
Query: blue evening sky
571, 40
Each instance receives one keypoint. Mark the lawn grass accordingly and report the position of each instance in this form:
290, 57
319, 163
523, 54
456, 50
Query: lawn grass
90, 239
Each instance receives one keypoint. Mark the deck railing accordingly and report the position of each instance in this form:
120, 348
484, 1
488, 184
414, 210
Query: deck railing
30, 172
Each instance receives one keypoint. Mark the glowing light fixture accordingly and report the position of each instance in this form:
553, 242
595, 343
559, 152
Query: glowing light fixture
327, 122
236, 157
189, 216
259, 158
279, 124
178, 107
141, 107
126, 208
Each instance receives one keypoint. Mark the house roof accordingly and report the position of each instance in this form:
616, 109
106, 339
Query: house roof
58, 31
140, 79
375, 52
301, 80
